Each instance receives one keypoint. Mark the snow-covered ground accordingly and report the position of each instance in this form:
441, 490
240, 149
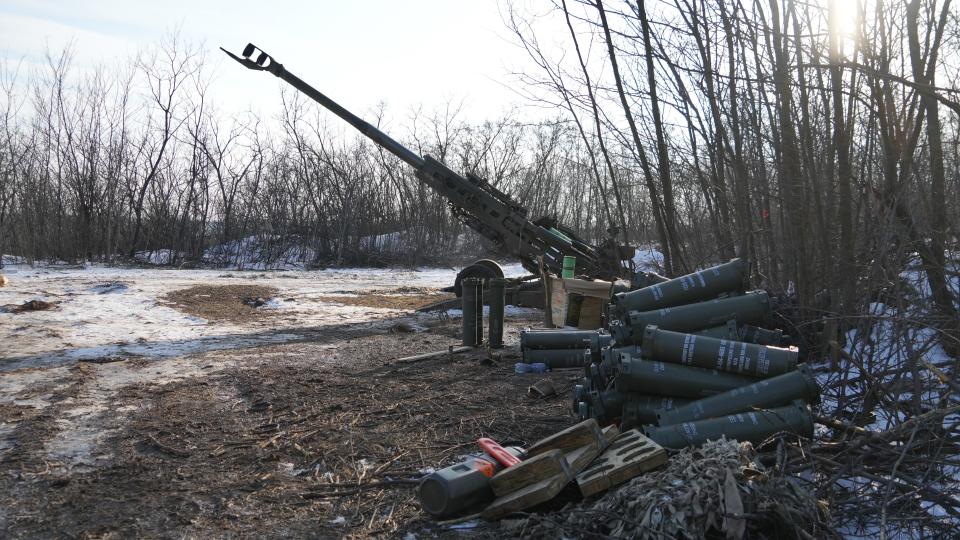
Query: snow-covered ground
105, 312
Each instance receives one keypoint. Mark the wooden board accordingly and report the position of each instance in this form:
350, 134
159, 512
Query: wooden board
529, 472
591, 313
535, 480
630, 455
580, 444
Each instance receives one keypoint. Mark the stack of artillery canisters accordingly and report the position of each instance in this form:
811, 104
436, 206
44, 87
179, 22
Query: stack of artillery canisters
690, 360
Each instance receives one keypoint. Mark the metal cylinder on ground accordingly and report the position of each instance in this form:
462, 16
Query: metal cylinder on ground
695, 287
722, 354
747, 333
760, 336
751, 426
643, 279
750, 308
603, 405
729, 330
564, 339
641, 409
569, 267
472, 302
666, 379
773, 392
559, 358
461, 487
496, 288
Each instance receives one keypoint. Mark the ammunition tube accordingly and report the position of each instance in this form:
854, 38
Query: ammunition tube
609, 363
695, 287
724, 331
760, 336
559, 358
666, 379
750, 308
498, 301
773, 392
747, 333
564, 339
640, 409
722, 354
472, 302
643, 279
752, 426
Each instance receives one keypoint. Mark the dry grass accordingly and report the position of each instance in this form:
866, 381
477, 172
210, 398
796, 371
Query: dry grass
221, 303
391, 301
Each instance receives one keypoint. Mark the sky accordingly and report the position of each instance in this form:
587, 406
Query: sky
360, 53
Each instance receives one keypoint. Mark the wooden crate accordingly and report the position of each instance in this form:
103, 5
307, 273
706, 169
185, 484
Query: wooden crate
578, 302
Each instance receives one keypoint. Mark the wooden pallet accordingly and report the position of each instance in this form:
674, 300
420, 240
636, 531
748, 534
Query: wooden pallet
535, 480
580, 444
629, 455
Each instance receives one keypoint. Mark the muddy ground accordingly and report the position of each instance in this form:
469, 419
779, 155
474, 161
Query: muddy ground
326, 437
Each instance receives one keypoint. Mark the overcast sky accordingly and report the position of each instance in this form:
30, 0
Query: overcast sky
358, 52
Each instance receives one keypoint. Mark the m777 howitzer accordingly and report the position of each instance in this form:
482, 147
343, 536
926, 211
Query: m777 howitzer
479, 205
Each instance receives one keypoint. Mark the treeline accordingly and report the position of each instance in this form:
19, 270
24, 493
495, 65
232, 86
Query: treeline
825, 153
104, 164
819, 140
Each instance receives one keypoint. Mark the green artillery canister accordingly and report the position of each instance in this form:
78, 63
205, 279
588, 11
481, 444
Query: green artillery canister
569, 267
559, 358
472, 302
640, 409
752, 426
604, 405
750, 308
746, 332
498, 300
723, 354
695, 287
773, 392
564, 339
666, 379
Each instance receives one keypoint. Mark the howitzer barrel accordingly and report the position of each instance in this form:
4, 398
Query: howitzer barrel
712, 353
265, 62
662, 378
773, 392
753, 426
695, 287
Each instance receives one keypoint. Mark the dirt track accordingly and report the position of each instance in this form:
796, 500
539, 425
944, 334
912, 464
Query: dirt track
323, 438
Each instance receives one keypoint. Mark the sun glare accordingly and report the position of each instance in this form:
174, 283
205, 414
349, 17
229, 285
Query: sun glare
844, 19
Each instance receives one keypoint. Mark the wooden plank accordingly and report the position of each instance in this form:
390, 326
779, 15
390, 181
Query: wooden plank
580, 444
591, 313
427, 356
528, 472
536, 480
630, 455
